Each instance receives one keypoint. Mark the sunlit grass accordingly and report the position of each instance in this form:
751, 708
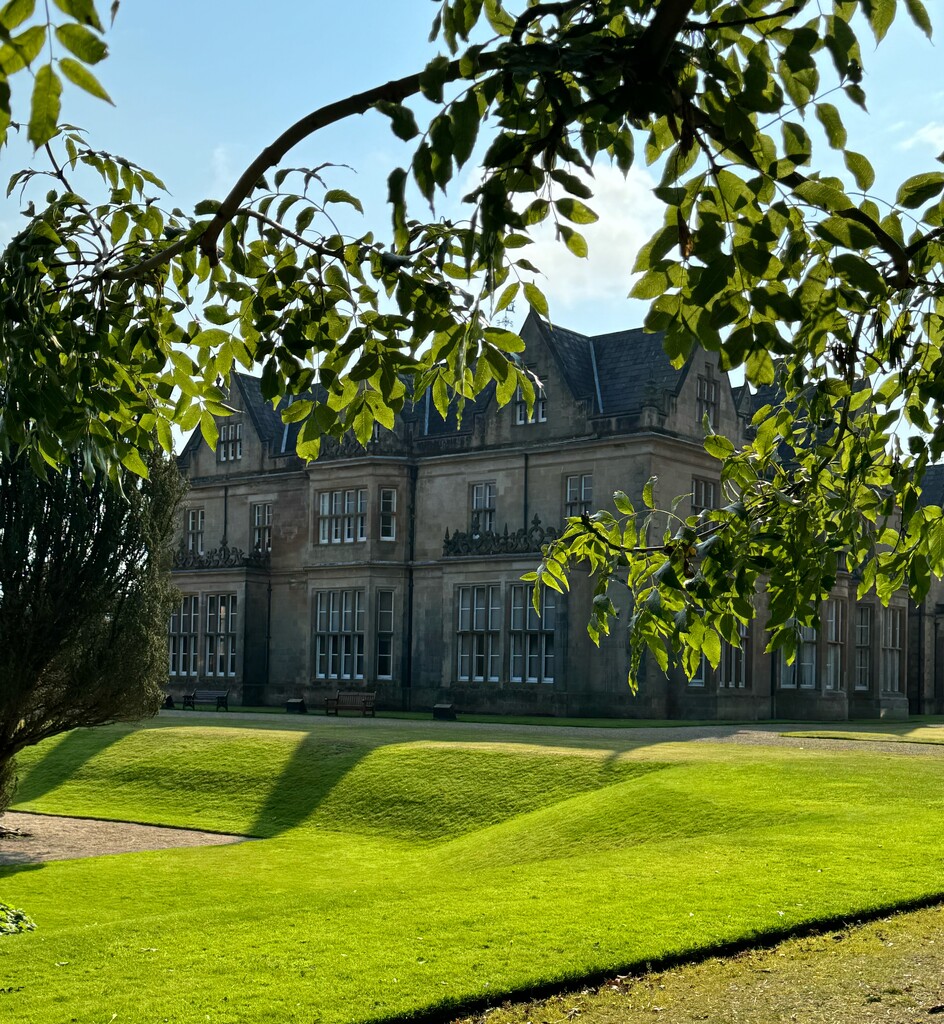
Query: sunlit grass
897, 732
404, 867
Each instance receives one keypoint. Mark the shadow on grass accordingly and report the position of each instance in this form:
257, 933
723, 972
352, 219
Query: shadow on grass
451, 1009
63, 761
15, 867
314, 769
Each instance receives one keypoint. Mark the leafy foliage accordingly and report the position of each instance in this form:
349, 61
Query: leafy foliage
13, 920
84, 598
123, 317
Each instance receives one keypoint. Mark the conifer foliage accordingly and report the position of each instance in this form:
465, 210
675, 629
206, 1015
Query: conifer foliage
85, 595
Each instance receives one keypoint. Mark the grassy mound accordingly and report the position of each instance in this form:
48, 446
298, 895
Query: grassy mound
410, 866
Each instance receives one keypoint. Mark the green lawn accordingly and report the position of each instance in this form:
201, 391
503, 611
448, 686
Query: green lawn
408, 866
915, 730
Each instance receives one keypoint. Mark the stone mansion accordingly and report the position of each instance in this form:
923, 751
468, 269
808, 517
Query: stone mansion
396, 567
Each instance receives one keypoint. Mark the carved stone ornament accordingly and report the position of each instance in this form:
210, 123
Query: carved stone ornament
223, 557
524, 541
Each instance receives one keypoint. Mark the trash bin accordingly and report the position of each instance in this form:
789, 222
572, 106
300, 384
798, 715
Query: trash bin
296, 706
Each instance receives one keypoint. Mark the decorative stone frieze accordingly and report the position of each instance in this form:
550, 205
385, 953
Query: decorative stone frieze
463, 544
223, 557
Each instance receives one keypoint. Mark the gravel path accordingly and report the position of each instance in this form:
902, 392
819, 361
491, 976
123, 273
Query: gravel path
51, 837
757, 733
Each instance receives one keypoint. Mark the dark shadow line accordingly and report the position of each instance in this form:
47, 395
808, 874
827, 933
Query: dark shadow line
8, 870
315, 767
63, 761
137, 821
447, 1012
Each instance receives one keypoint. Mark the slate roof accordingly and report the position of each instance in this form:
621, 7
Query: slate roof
573, 355
631, 364
433, 425
267, 421
932, 486
615, 373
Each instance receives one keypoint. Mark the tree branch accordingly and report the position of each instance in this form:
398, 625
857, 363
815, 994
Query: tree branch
651, 49
706, 26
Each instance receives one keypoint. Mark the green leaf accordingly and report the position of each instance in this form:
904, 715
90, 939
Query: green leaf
760, 367
859, 273
132, 460
338, 195
164, 436
297, 411
22, 50
574, 241
119, 225
466, 119
574, 210
796, 142
881, 13
433, 77
209, 429
829, 118
648, 492
919, 15
623, 504
536, 299
219, 315
402, 120
860, 168
78, 74
210, 338
919, 188
824, 196
44, 109
536, 211
718, 446
500, 20
15, 13
82, 10
507, 297
78, 40
507, 341
711, 647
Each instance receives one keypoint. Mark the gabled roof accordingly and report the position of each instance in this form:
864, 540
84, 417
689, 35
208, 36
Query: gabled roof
631, 366
614, 373
266, 420
572, 354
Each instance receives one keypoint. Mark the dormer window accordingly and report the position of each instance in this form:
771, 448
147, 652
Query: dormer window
538, 413
230, 446
707, 393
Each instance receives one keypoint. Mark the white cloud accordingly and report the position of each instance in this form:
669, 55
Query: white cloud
930, 134
629, 215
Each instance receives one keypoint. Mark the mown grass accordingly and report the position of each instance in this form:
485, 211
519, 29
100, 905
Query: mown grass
485, 719
911, 731
406, 867
886, 970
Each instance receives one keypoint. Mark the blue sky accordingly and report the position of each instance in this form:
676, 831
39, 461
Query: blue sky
201, 86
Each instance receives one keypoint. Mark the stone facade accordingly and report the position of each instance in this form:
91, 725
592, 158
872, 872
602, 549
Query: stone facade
396, 567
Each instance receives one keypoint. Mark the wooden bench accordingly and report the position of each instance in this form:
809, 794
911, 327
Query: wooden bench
354, 700
220, 698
